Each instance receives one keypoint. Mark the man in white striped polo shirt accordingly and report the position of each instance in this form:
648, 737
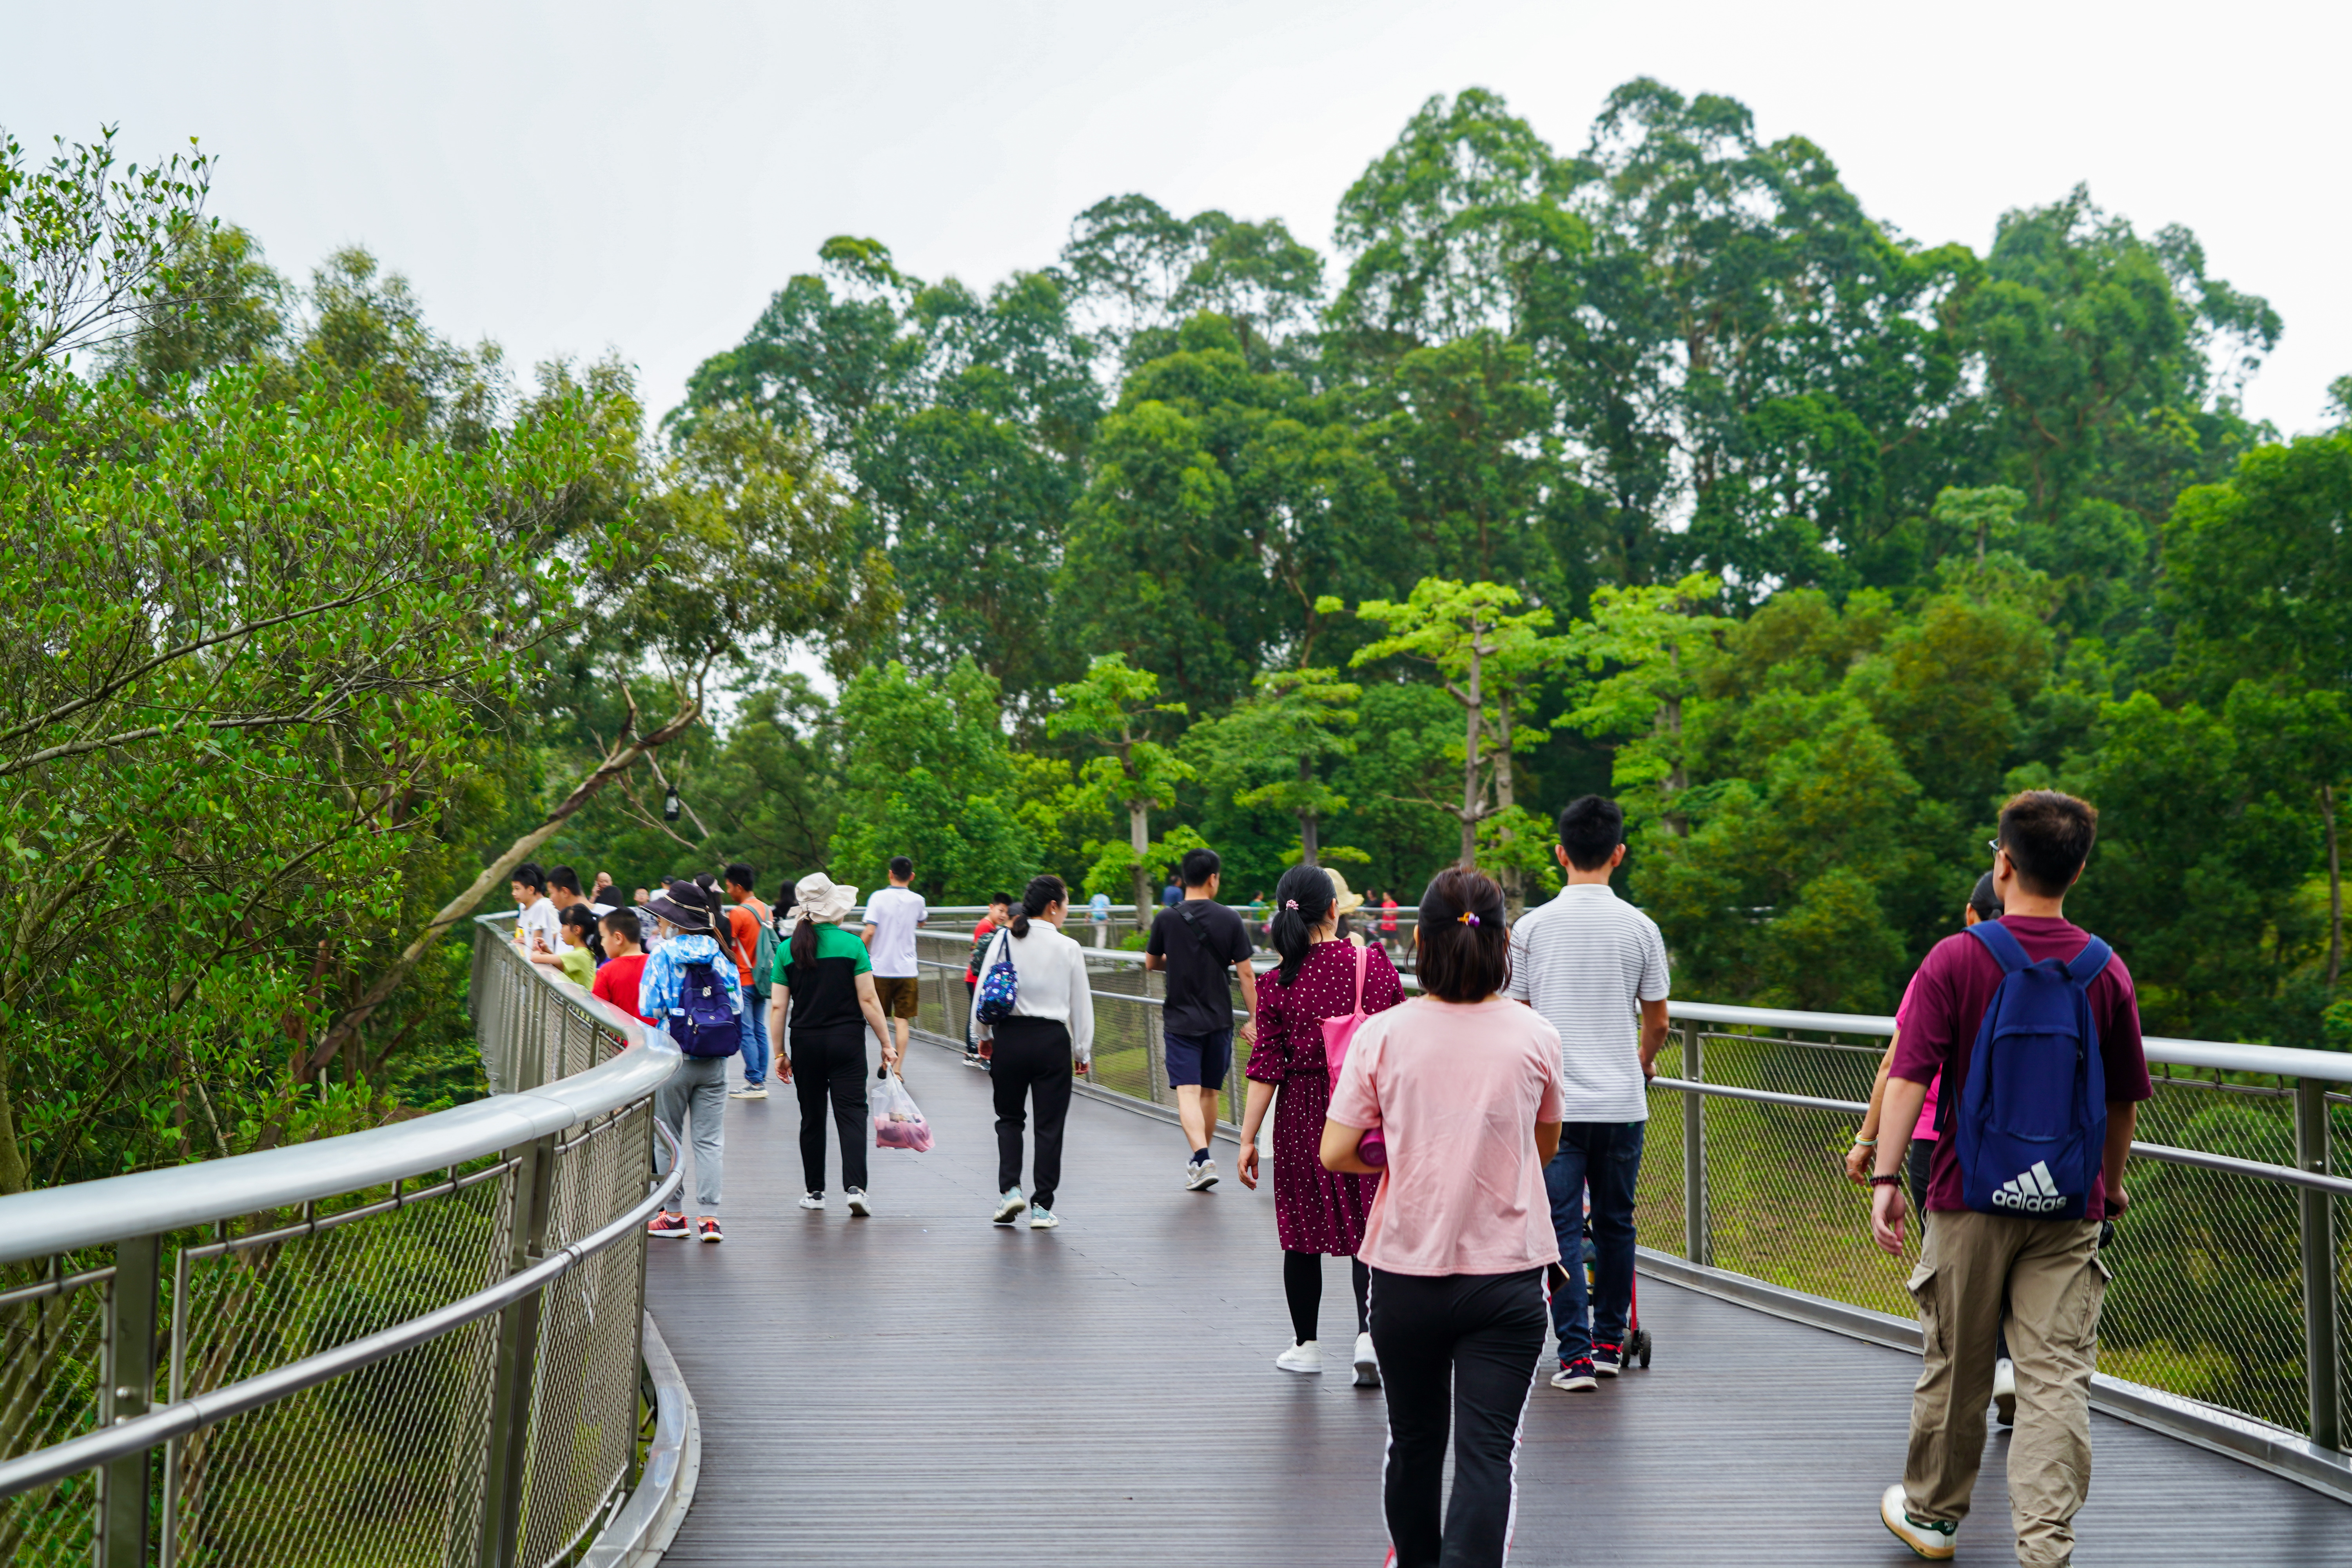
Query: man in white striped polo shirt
1592, 964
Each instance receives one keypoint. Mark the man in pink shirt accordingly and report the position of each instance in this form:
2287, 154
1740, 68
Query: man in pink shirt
1979, 1271
1466, 1088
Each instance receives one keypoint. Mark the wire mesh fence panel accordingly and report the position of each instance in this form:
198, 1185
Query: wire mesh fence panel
379, 1466
584, 1401
1659, 1221
2206, 1299
52, 1332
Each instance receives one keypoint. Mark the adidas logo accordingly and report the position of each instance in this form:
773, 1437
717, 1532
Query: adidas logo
2029, 1191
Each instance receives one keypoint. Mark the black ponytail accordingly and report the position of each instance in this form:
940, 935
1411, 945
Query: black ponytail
802, 943
721, 927
1044, 892
1302, 900
580, 915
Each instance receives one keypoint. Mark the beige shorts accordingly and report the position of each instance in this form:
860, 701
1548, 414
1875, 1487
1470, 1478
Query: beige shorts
899, 995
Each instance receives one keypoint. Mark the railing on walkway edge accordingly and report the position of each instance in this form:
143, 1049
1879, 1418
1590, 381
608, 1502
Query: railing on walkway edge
2233, 1269
416, 1344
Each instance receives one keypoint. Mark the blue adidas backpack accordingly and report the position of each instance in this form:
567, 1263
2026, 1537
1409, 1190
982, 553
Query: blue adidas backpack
2032, 1117
703, 1023
999, 983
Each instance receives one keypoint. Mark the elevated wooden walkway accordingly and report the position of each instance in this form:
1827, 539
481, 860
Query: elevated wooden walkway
924, 1387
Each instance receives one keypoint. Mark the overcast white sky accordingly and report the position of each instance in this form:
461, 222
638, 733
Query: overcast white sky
570, 177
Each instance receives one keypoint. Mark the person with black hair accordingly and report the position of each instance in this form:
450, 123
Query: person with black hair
696, 1090
1465, 1087
617, 977
1199, 942
2011, 1265
822, 1003
563, 888
1053, 1022
1595, 967
1317, 1213
537, 928
892, 915
755, 953
584, 950
999, 915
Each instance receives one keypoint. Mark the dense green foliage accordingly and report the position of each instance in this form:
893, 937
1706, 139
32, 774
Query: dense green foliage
1808, 540
1661, 467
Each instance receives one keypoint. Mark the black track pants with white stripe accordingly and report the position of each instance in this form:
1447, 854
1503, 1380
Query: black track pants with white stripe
1458, 1352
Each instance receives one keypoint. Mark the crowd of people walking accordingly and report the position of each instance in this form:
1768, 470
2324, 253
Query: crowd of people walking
1472, 1150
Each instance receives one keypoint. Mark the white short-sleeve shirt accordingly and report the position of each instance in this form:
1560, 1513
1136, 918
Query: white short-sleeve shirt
1587, 961
894, 913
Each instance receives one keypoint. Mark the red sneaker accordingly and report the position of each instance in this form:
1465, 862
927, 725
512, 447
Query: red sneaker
709, 1229
672, 1225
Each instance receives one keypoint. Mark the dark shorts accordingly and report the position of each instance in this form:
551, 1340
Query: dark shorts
1202, 1060
898, 993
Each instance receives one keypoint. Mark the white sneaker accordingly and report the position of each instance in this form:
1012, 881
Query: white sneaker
1043, 1218
811, 1200
1009, 1206
749, 1091
859, 1203
1200, 1175
1307, 1357
1932, 1541
1367, 1363
2004, 1392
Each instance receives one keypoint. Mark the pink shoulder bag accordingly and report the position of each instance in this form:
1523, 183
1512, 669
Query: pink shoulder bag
1338, 1034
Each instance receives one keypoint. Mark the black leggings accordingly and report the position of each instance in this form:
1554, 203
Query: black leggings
1456, 1350
830, 1061
1031, 1061
1302, 1287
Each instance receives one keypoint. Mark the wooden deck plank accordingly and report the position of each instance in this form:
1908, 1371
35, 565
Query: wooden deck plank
926, 1387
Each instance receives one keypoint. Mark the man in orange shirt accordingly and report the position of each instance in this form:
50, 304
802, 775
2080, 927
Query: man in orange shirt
747, 919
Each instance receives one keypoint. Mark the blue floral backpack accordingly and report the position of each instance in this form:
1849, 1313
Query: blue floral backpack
999, 983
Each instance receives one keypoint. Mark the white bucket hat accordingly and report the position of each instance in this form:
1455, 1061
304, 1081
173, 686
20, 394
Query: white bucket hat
822, 899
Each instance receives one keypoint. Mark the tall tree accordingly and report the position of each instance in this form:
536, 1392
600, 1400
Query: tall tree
1114, 711
1270, 753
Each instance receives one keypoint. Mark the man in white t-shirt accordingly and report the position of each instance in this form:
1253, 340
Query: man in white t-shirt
892, 913
538, 929
1592, 964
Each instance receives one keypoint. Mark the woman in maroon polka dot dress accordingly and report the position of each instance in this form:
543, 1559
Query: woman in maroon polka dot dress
1318, 1213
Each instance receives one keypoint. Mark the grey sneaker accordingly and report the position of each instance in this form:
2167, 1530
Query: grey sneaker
1009, 1206
1200, 1175
749, 1091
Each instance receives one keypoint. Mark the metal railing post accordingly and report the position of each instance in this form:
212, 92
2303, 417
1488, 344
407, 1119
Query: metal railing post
1695, 1245
507, 1466
124, 1487
2318, 1264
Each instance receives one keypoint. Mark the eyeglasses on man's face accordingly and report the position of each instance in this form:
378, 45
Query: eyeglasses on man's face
1993, 845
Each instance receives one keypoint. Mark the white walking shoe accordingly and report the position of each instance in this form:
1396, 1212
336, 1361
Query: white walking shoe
1200, 1175
1009, 1206
1042, 1219
2004, 1392
1367, 1363
811, 1200
859, 1203
1307, 1357
1933, 1540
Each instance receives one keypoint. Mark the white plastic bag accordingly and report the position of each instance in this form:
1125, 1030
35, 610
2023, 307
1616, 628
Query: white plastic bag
897, 1123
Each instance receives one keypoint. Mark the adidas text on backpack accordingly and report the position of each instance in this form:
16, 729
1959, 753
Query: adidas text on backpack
2032, 1116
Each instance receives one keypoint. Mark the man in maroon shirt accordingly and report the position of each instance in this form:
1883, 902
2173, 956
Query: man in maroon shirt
2046, 1274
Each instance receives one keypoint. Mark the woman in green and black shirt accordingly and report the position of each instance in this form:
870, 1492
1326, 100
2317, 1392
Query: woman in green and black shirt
824, 982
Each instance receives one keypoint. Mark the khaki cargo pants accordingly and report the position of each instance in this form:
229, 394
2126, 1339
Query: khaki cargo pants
2055, 1281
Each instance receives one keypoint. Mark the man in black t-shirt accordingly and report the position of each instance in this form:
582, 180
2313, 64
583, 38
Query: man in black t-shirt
1197, 941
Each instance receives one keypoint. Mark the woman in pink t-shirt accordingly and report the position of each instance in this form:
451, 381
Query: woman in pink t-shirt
1465, 1087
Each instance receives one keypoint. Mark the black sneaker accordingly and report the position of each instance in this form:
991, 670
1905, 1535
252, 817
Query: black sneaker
1576, 1377
1608, 1361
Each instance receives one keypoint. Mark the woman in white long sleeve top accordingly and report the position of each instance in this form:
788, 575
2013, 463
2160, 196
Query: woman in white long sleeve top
1030, 1059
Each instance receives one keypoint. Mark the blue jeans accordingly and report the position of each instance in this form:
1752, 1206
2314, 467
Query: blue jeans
755, 1049
1605, 1156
